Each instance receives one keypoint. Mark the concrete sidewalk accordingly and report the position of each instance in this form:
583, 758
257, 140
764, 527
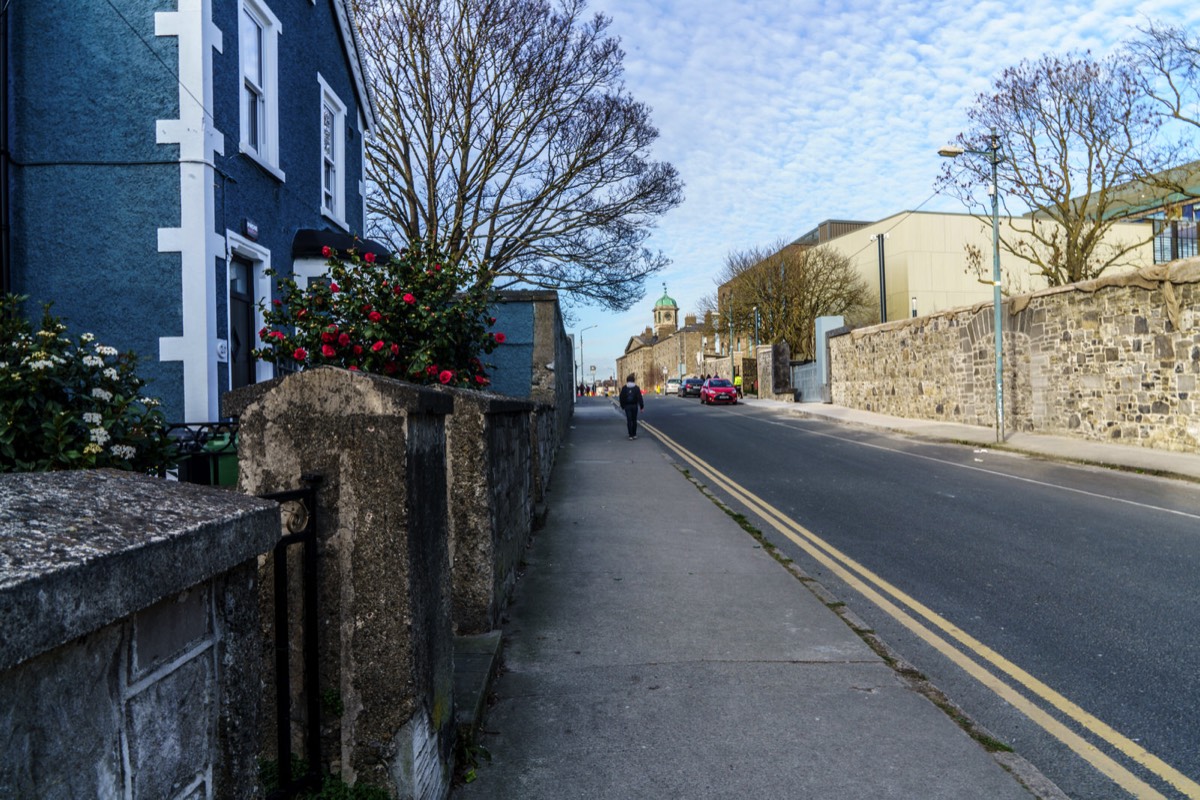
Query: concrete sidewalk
654, 650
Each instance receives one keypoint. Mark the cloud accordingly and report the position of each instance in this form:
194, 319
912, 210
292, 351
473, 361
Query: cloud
780, 114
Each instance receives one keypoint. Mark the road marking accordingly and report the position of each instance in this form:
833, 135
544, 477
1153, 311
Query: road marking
845, 568
984, 470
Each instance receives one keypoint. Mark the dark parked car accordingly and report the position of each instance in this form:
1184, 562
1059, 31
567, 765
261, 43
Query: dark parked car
690, 387
718, 390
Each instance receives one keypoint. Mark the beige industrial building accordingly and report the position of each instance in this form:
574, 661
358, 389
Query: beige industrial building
925, 262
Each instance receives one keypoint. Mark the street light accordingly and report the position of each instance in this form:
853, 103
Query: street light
581, 367
993, 154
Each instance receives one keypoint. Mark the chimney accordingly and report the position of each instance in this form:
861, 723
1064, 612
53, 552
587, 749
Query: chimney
689, 320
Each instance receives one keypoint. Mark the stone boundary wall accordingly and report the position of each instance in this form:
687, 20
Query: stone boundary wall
129, 651
491, 478
1114, 359
546, 433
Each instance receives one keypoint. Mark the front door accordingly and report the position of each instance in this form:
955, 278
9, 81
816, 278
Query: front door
241, 322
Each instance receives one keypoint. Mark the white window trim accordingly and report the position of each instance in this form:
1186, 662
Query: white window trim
362, 172
268, 155
260, 258
337, 214
306, 270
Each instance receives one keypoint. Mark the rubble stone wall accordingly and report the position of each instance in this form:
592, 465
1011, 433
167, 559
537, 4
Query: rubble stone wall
1114, 359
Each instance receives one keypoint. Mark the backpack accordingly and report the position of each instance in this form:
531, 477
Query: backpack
627, 396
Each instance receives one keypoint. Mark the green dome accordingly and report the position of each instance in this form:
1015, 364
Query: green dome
666, 300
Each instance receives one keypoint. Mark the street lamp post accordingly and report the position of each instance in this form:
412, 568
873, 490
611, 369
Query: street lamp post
993, 154
581, 364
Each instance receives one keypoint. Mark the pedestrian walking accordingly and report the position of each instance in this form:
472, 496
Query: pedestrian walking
631, 402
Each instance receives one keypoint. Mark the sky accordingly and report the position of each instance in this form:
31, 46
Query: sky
781, 114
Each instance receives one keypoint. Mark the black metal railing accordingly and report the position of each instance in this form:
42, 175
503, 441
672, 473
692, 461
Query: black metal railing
300, 529
1174, 239
206, 452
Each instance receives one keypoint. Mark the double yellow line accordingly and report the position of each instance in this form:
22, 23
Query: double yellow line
895, 602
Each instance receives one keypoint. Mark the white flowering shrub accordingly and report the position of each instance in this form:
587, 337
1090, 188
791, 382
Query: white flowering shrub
72, 404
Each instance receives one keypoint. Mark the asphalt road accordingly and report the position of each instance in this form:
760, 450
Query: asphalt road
1084, 579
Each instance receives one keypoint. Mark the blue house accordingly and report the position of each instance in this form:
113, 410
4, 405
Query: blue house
159, 156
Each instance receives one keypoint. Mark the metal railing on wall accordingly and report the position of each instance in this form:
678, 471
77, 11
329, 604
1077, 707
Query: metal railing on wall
299, 512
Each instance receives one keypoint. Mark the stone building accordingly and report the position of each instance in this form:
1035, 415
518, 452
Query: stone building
664, 350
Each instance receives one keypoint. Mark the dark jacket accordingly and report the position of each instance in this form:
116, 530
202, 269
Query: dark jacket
631, 396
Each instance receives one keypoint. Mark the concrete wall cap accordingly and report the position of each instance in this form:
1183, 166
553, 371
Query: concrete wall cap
410, 397
80, 550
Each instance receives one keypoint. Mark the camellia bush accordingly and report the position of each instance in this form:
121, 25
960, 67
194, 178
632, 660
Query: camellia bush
72, 404
415, 316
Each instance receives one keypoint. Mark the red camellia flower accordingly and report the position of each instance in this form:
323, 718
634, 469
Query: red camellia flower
344, 339
482, 381
375, 348
358, 349
431, 369
300, 354
446, 376
395, 349
354, 367
369, 258
262, 334
328, 337
277, 335
374, 316
328, 350
491, 320
409, 298
389, 367
500, 338
333, 287
437, 267
277, 303
327, 251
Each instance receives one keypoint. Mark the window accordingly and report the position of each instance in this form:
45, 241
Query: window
258, 33
333, 155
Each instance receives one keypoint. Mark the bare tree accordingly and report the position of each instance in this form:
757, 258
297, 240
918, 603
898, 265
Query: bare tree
505, 128
786, 287
1076, 140
1169, 61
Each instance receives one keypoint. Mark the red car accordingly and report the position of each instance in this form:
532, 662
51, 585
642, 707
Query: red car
718, 390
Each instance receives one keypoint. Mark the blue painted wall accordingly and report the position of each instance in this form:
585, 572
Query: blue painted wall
310, 44
513, 360
91, 187
86, 91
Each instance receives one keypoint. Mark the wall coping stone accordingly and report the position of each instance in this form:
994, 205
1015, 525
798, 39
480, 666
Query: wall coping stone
82, 549
413, 397
490, 403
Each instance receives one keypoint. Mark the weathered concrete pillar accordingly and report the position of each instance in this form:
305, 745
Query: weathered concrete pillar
385, 632
491, 503
775, 372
